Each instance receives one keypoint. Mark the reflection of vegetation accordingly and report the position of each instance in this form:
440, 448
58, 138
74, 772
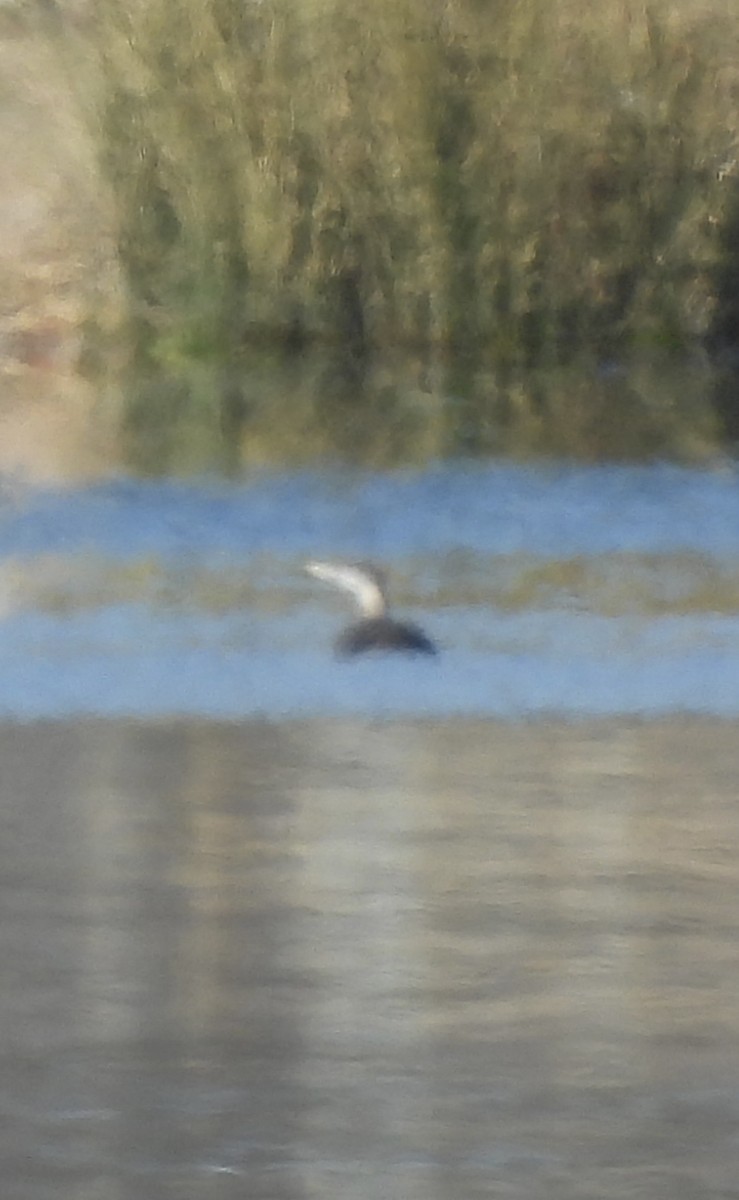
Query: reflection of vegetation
321, 408
515, 185
611, 585
184, 424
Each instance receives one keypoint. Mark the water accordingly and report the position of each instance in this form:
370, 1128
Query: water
279, 926
567, 590
357, 960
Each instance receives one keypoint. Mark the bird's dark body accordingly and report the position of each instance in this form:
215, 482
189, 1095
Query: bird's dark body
383, 634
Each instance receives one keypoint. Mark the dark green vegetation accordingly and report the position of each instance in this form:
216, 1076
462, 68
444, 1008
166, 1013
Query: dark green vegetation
490, 192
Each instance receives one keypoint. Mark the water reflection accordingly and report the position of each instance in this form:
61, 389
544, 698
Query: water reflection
390, 410
370, 959
570, 590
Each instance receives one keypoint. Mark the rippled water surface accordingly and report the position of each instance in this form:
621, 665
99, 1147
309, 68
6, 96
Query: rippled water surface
278, 926
369, 960
559, 590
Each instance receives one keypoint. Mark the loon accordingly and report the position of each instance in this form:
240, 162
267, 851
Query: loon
376, 630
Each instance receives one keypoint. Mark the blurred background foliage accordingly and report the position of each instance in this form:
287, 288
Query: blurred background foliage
486, 191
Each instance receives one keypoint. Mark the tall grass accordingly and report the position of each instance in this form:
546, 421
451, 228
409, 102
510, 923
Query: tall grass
521, 182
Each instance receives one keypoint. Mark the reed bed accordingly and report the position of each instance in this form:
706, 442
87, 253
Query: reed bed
515, 185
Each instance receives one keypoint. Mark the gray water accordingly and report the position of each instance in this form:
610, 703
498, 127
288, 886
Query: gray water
341, 959
277, 926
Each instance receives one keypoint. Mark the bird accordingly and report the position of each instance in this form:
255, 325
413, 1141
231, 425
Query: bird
376, 630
